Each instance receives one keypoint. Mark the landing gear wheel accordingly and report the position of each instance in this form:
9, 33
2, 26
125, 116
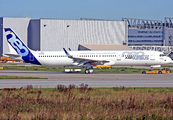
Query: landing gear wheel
87, 71
90, 70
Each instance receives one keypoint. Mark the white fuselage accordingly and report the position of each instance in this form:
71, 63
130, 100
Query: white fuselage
115, 58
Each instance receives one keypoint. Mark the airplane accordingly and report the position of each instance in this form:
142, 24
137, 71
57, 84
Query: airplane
87, 59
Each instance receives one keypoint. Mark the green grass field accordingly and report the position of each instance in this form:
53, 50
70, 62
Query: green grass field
19, 77
61, 69
84, 103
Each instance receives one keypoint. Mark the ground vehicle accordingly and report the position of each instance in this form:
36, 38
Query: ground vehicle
159, 71
5, 59
99, 66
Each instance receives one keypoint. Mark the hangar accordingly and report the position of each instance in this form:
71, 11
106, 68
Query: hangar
58, 34
54, 34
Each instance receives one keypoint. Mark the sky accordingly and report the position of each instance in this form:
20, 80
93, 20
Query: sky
97, 9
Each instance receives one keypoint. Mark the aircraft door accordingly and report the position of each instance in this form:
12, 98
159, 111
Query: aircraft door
118, 56
152, 55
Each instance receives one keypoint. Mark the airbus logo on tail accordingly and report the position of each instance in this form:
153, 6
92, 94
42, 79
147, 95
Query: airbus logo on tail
16, 44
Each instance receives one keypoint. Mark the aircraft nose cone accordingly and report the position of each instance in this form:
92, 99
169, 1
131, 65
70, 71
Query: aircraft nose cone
169, 60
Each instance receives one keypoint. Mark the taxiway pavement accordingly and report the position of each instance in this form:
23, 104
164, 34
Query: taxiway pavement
93, 80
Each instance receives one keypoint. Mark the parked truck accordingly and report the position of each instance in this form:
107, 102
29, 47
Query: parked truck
158, 71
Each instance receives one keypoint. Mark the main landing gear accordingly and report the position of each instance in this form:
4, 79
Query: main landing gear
89, 69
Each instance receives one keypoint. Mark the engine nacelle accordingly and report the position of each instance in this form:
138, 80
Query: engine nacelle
110, 63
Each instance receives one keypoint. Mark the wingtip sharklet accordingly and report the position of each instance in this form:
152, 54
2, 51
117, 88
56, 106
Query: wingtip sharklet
67, 53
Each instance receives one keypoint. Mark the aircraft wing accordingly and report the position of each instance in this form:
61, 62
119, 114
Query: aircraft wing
13, 56
84, 61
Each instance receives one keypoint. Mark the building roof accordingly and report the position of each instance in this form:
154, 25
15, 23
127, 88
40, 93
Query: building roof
103, 47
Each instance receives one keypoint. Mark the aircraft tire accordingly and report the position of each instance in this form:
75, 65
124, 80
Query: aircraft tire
87, 71
90, 70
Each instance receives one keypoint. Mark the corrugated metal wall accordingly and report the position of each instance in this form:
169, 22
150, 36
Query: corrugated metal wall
56, 34
53, 35
19, 26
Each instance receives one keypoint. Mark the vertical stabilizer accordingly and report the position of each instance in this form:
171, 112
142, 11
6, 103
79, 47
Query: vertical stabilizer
20, 47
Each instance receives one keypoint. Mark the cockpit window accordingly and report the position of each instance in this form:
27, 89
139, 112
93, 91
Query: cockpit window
162, 55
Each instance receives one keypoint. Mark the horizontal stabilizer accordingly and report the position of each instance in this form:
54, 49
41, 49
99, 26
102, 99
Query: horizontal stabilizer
13, 56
